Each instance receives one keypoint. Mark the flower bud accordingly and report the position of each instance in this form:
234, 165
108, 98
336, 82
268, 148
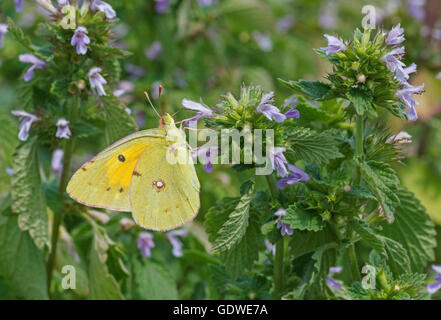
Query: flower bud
361, 78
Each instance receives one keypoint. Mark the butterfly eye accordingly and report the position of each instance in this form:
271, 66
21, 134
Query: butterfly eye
121, 158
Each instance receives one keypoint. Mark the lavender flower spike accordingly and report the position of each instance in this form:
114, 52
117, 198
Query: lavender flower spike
172, 236
36, 64
268, 110
145, 244
284, 228
63, 130
434, 287
395, 36
80, 40
334, 45
3, 31
203, 112
25, 125
97, 81
104, 7
296, 176
405, 95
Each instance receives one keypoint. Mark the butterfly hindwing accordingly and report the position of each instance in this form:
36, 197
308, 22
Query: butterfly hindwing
104, 181
164, 195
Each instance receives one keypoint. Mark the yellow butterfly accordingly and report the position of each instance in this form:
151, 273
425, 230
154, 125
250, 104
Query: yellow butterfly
150, 173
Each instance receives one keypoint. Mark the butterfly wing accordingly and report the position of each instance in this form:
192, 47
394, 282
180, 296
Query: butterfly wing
164, 195
104, 181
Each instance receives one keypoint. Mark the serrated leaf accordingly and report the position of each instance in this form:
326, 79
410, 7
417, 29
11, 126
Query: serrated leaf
309, 112
28, 199
103, 285
361, 101
109, 52
300, 219
310, 146
235, 227
303, 242
153, 281
59, 88
22, 264
118, 122
413, 229
367, 234
383, 182
397, 257
316, 90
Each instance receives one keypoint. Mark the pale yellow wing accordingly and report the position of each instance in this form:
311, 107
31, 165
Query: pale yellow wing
164, 195
104, 181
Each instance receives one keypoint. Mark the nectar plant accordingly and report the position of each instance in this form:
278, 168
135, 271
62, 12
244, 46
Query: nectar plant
334, 206
66, 97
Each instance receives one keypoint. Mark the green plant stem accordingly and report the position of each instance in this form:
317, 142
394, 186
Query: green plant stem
358, 153
58, 215
280, 246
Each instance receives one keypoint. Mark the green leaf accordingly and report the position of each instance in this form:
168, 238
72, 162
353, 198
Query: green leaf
109, 52
235, 227
118, 122
367, 234
315, 90
28, 200
383, 182
397, 257
307, 241
153, 281
361, 101
103, 285
300, 219
59, 88
309, 112
22, 264
413, 229
313, 147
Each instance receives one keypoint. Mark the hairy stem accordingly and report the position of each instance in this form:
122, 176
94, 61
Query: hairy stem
280, 246
58, 215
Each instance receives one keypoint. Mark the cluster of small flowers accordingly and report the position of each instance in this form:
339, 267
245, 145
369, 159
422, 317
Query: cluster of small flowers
393, 62
146, 243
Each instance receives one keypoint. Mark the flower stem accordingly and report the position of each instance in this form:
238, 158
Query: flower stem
58, 215
280, 246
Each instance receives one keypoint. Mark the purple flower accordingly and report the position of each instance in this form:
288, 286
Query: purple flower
135, 71
402, 75
284, 227
334, 45
97, 81
80, 40
292, 104
36, 64
285, 23
416, 9
62, 2
9, 171
268, 110
334, 270
123, 88
3, 31
104, 7
63, 130
395, 36
172, 236
154, 51
393, 57
25, 125
405, 95
278, 160
145, 244
57, 161
434, 287
161, 5
205, 3
206, 156
334, 284
18, 5
296, 176
203, 112
270, 247
263, 41
328, 15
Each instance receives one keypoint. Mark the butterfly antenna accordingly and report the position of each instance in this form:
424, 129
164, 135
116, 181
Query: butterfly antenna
159, 99
151, 104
